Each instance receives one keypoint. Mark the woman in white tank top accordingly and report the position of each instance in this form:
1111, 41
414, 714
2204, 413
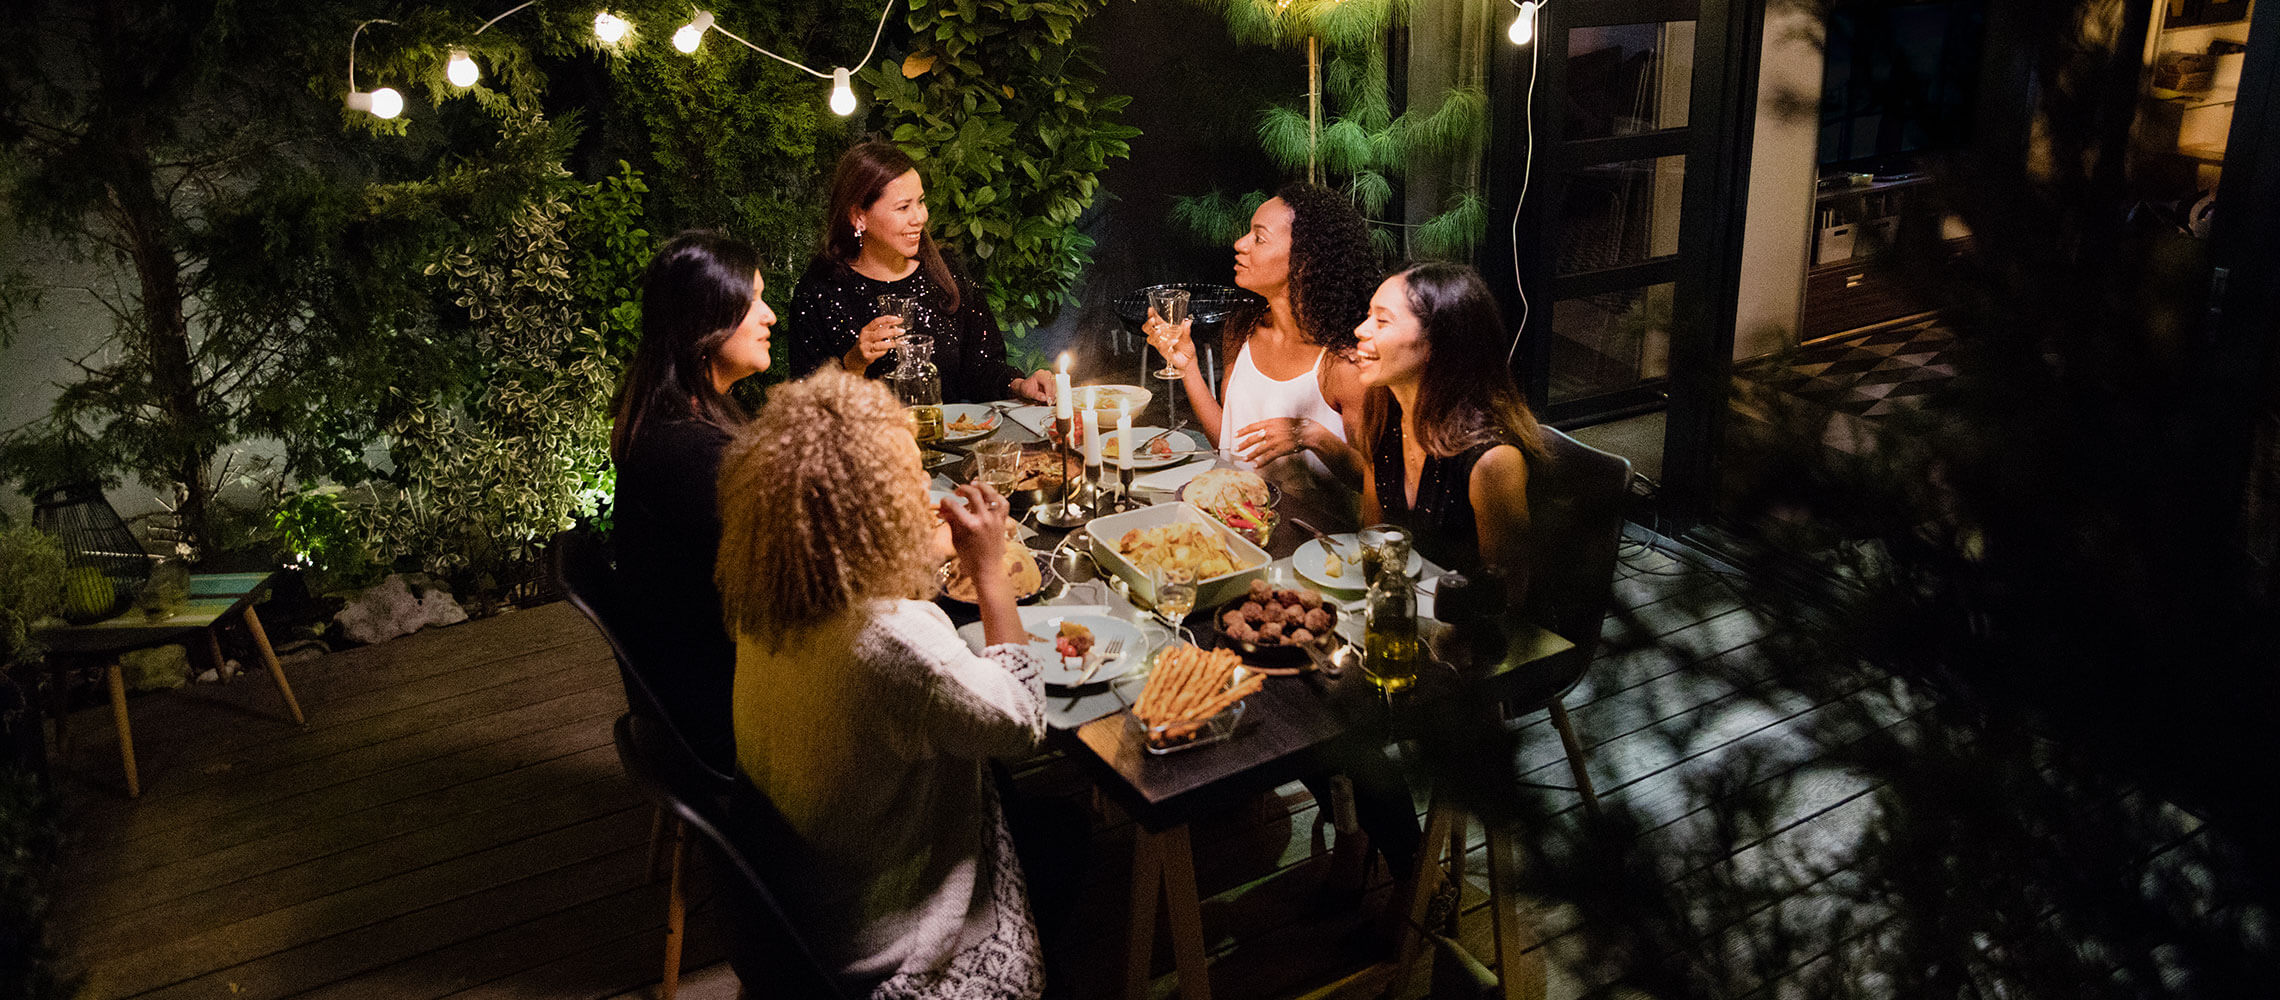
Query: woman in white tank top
1292, 402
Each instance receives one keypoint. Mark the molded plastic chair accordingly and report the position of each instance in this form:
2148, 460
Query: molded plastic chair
654, 751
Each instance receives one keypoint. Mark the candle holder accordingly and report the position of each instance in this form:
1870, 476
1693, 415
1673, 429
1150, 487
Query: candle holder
1073, 509
1124, 501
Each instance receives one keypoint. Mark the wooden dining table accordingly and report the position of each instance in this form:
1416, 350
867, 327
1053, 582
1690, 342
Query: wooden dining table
1293, 727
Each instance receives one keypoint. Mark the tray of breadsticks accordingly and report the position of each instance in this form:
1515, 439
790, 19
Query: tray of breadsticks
1194, 697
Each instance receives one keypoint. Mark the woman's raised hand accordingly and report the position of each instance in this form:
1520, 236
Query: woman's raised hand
976, 515
872, 343
1171, 339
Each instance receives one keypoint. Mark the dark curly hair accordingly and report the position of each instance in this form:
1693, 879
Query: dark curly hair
1332, 270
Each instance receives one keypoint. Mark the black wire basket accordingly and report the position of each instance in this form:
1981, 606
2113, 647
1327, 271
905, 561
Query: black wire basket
105, 566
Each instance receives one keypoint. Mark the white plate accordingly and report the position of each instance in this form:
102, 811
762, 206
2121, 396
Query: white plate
1063, 672
1183, 447
990, 420
1312, 567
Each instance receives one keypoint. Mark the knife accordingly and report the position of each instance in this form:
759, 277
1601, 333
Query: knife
1327, 544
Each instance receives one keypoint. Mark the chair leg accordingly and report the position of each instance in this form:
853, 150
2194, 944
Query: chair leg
276, 669
676, 914
1519, 963
1456, 873
656, 842
1140, 935
117, 679
1575, 758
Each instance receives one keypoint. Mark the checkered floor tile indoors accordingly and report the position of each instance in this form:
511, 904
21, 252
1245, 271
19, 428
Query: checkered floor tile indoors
1865, 375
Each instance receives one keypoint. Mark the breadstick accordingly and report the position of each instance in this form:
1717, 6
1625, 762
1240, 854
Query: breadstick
1169, 666
1249, 687
1217, 665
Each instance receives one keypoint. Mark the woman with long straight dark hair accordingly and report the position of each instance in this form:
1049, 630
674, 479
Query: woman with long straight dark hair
703, 328
1449, 434
875, 243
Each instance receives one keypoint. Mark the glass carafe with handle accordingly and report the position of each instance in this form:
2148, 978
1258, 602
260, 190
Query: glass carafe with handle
918, 384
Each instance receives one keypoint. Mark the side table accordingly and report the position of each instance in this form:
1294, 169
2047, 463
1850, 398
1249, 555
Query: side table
215, 598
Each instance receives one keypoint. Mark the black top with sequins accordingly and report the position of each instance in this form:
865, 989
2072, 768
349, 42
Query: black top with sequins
1442, 520
833, 302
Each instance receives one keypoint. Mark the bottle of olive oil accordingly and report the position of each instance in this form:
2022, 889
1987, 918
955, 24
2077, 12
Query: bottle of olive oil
1390, 647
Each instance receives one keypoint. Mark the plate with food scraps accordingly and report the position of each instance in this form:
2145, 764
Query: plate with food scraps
1165, 448
1340, 571
966, 422
1054, 634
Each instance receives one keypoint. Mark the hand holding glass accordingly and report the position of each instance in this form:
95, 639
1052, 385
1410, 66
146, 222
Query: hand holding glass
1170, 306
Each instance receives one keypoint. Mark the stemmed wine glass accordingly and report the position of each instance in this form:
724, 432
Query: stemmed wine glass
1175, 597
1171, 306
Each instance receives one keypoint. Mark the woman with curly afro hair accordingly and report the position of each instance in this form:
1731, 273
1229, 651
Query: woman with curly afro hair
1292, 402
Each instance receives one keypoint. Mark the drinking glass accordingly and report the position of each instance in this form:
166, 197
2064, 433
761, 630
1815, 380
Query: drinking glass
997, 463
1171, 306
1175, 595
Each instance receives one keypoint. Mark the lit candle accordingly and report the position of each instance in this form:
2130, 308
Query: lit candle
1092, 427
1124, 433
1064, 404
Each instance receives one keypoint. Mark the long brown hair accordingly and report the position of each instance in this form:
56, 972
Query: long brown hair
863, 174
1463, 397
693, 296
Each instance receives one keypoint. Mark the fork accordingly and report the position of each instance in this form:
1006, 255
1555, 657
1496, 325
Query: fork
1114, 649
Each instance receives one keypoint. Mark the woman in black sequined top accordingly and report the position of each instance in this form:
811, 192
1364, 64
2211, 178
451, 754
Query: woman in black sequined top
1449, 438
875, 243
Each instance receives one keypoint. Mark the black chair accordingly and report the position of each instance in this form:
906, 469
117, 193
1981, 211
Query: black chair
1209, 305
1575, 510
656, 754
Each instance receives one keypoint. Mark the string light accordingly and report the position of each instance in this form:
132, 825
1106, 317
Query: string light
1524, 27
842, 95
461, 69
693, 33
380, 102
609, 27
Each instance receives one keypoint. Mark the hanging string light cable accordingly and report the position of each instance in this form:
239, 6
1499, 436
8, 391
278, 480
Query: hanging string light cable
842, 95
1524, 34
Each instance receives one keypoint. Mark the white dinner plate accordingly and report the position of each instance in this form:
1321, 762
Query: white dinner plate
1044, 623
1183, 447
1312, 567
1037, 417
989, 419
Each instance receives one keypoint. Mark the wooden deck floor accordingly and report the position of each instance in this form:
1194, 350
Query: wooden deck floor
453, 823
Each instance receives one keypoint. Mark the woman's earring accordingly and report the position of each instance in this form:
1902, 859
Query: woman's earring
858, 230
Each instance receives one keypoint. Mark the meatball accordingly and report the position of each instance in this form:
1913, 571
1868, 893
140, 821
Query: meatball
1309, 599
1253, 611
1301, 637
1271, 632
1242, 632
1317, 621
1232, 618
1286, 596
1259, 591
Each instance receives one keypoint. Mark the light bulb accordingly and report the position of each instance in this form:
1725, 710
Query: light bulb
609, 27
380, 102
1524, 26
693, 32
386, 103
842, 96
461, 69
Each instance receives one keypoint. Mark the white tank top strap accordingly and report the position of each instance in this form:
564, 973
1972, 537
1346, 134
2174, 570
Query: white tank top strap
1251, 396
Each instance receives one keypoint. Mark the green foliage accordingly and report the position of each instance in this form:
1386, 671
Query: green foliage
316, 530
1011, 134
608, 250
1361, 146
30, 833
486, 473
31, 588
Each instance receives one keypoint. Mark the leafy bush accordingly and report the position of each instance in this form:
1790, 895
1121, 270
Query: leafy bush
31, 588
29, 836
1000, 107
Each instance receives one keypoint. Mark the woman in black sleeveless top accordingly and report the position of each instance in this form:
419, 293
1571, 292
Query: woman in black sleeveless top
1450, 436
